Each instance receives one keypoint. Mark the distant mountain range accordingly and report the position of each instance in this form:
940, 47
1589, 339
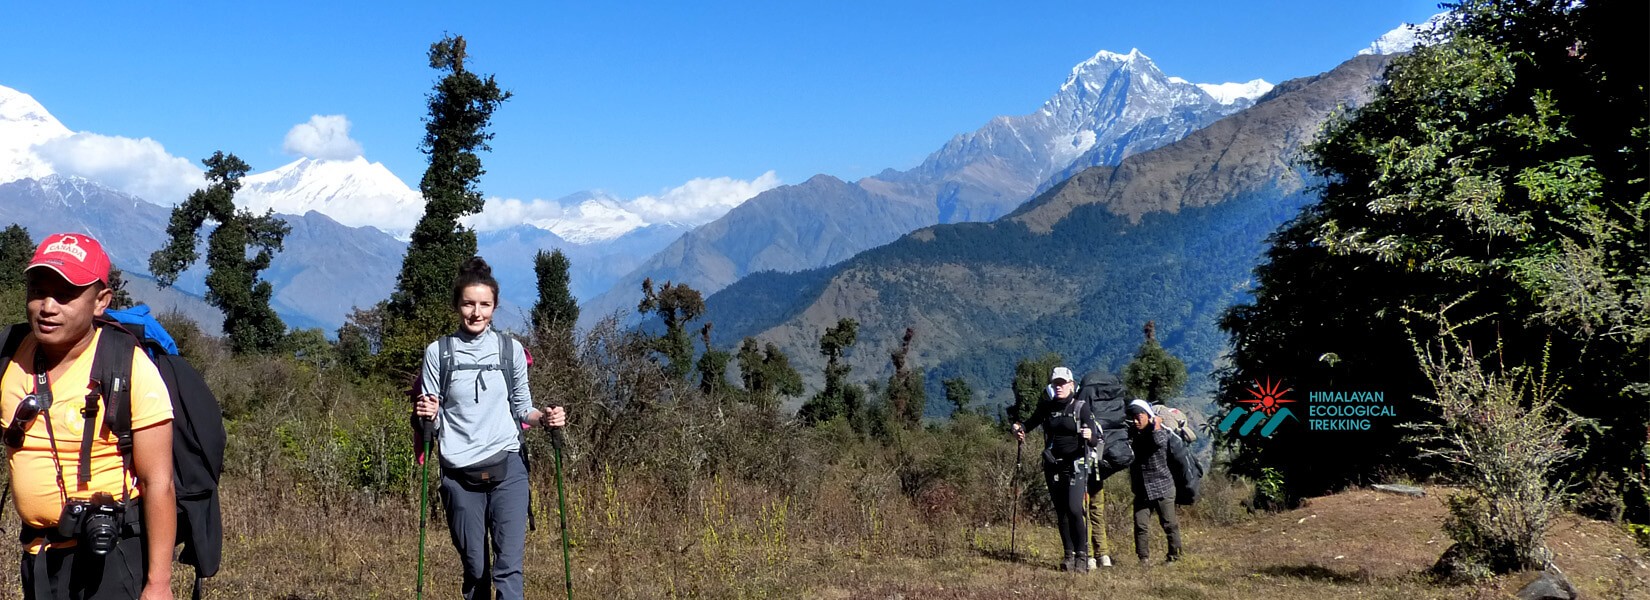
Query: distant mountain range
344, 249
1110, 106
1168, 235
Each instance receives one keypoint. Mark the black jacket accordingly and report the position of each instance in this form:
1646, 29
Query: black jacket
1060, 421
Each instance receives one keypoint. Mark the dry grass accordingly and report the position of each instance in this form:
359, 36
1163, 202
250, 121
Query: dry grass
726, 540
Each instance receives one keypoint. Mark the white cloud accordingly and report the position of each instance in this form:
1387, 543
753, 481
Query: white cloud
594, 217
701, 200
140, 167
323, 137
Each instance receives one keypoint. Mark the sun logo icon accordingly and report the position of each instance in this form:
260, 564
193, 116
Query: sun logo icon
1266, 397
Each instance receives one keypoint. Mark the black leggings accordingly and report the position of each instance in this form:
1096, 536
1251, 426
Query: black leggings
1067, 487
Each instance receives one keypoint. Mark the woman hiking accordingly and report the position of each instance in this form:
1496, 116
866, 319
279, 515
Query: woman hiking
1071, 433
478, 416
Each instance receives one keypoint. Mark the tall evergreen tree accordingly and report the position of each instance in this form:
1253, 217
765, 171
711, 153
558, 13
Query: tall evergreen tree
839, 398
556, 309
675, 305
713, 365
1154, 374
1030, 379
906, 396
1499, 169
959, 394
460, 110
16, 248
117, 286
232, 282
767, 374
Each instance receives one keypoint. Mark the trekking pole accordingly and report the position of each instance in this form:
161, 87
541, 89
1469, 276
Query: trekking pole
558, 441
426, 429
1014, 506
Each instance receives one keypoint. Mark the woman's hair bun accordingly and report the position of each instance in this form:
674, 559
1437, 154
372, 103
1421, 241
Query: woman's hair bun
477, 267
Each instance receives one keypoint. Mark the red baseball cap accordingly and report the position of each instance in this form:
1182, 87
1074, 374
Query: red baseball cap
78, 257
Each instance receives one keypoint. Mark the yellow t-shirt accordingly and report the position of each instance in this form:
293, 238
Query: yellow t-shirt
34, 479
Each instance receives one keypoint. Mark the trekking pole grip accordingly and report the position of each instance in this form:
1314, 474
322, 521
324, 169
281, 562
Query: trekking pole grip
558, 437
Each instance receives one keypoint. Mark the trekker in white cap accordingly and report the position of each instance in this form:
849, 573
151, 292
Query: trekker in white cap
1071, 433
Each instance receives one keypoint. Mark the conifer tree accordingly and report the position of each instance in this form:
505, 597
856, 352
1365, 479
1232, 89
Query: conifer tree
959, 394
1154, 374
16, 248
556, 309
1500, 168
675, 305
906, 395
839, 398
232, 282
1030, 379
460, 109
767, 374
713, 365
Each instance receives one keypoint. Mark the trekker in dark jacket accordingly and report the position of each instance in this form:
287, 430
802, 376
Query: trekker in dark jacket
1071, 433
1152, 481
1103, 392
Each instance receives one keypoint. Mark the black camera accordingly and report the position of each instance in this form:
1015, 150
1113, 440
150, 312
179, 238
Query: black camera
94, 522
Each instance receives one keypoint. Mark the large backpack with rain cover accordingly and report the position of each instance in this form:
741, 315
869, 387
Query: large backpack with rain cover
198, 436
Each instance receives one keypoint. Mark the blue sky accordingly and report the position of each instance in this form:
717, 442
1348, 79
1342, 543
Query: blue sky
635, 98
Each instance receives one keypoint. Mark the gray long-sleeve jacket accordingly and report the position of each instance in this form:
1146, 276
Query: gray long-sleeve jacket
479, 417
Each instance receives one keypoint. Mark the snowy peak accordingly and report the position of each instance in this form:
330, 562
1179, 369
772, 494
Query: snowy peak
18, 108
353, 192
1229, 93
24, 124
1405, 37
592, 217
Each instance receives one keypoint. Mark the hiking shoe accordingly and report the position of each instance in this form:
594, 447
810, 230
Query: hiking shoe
1083, 563
1105, 560
1171, 558
1093, 564
1069, 564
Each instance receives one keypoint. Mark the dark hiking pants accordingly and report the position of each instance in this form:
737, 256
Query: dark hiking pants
497, 511
1068, 488
1142, 521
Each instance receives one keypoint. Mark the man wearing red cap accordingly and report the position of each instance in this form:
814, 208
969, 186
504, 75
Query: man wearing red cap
86, 534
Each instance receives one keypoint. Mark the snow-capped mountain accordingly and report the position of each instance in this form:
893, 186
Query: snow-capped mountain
1110, 106
1229, 93
1405, 37
24, 124
354, 192
591, 217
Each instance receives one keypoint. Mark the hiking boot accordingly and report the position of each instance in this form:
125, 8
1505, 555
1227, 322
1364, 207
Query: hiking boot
1093, 564
1171, 558
1083, 563
1069, 564
1105, 560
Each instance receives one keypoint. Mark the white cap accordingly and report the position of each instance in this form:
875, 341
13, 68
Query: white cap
1062, 374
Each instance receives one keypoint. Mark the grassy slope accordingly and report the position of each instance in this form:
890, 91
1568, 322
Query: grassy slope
737, 543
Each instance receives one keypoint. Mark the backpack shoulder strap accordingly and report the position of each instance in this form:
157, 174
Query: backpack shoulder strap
507, 363
112, 370
13, 337
445, 351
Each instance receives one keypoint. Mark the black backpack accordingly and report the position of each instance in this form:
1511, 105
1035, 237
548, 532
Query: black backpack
198, 435
1187, 471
